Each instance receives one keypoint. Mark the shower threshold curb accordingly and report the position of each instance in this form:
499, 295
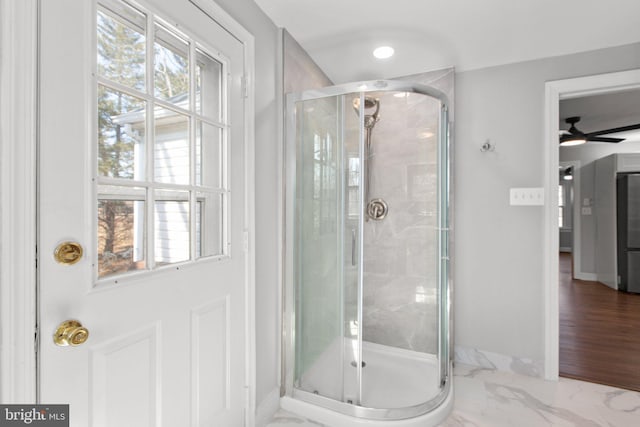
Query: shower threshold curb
331, 418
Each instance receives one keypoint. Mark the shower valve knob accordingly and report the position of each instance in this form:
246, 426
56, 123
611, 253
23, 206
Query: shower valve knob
377, 209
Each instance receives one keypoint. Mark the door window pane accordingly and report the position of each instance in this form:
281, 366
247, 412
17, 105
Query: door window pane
171, 148
121, 46
171, 213
208, 86
121, 236
171, 67
209, 224
209, 155
121, 132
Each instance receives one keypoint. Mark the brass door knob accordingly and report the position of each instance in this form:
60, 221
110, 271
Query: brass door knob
70, 333
68, 253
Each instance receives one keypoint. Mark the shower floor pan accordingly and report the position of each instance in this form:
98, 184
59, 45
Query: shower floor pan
391, 377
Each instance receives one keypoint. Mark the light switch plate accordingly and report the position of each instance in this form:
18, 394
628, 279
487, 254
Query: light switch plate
526, 196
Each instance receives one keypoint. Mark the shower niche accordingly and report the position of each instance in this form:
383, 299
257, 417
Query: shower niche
367, 289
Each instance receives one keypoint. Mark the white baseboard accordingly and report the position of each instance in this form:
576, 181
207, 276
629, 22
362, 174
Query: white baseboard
587, 276
267, 408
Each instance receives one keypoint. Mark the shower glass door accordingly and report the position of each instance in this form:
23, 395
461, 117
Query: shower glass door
403, 343
326, 229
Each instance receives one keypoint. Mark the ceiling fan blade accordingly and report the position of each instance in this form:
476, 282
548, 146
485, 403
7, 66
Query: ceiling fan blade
603, 139
614, 130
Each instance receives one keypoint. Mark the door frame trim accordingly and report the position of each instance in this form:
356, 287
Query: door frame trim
218, 14
18, 143
554, 92
18, 194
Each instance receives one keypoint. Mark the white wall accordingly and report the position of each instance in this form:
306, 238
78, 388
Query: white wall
498, 302
248, 14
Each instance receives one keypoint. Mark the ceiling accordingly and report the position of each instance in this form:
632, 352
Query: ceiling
340, 35
605, 111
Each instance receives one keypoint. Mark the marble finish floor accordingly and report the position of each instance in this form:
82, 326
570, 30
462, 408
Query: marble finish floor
490, 398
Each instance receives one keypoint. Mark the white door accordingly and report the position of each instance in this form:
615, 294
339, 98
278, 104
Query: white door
142, 165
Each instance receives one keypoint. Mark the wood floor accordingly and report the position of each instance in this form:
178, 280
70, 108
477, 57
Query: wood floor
599, 332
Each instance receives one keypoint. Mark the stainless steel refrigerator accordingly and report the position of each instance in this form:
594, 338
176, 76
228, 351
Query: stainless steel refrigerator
628, 231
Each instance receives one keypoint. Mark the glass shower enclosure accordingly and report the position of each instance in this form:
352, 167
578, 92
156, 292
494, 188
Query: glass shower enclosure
367, 290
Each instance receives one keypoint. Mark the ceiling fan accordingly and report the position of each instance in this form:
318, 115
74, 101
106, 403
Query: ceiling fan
573, 136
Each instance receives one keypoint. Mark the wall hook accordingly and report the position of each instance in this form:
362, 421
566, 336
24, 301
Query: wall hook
487, 146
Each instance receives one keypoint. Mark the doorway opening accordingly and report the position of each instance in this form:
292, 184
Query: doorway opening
594, 309
555, 92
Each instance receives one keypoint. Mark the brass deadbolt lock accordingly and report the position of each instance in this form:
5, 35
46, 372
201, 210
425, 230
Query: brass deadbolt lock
70, 333
68, 253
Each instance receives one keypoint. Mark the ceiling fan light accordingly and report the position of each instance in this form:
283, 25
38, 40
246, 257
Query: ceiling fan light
567, 174
569, 142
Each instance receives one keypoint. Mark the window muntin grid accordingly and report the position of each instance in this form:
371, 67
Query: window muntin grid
161, 155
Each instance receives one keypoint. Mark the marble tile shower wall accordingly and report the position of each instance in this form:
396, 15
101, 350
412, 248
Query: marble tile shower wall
400, 252
300, 72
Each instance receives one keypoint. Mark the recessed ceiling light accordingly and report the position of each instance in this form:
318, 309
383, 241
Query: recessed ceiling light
383, 52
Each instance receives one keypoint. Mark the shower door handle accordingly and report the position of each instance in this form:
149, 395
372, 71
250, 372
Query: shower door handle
353, 246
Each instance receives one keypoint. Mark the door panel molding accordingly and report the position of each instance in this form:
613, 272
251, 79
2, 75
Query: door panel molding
144, 388
210, 335
18, 124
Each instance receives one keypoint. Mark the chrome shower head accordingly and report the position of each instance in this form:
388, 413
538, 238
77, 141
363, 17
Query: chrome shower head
369, 103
